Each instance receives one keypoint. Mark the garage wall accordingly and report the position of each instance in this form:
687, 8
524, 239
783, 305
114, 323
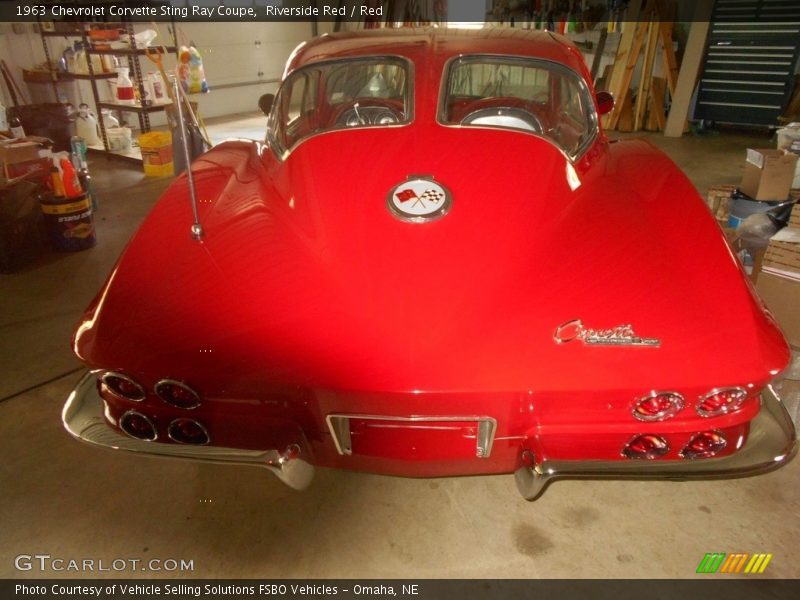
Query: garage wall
240, 62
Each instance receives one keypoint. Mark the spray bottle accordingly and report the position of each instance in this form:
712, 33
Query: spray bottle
72, 186
56, 180
78, 145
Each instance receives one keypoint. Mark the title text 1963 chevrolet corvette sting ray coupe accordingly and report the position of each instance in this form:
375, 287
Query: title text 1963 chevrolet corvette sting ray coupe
436, 264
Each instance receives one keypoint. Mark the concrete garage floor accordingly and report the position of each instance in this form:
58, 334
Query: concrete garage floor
68, 500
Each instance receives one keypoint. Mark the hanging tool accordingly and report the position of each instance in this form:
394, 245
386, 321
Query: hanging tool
23, 96
11, 84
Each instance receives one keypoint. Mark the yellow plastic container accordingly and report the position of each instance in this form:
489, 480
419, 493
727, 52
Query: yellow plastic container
156, 147
159, 170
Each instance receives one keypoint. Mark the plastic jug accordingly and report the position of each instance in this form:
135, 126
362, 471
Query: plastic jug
86, 125
109, 119
158, 87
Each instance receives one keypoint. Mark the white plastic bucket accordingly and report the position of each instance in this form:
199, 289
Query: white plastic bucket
119, 139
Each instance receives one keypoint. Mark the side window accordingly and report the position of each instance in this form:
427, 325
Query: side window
572, 125
340, 94
572, 101
297, 108
296, 100
531, 95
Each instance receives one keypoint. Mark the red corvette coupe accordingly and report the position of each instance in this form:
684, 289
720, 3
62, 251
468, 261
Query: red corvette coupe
436, 264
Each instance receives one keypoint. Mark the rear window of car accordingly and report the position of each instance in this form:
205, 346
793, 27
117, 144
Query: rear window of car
341, 94
533, 96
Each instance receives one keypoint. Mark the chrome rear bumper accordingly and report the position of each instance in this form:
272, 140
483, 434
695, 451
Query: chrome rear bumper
83, 418
772, 442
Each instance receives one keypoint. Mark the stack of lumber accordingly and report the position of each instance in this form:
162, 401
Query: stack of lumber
645, 36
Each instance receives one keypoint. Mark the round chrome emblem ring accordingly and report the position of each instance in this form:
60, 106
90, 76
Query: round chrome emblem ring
419, 199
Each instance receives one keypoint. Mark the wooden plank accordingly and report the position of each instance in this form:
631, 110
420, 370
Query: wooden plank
625, 122
632, 57
692, 59
645, 80
624, 82
598, 56
667, 26
670, 62
657, 112
629, 28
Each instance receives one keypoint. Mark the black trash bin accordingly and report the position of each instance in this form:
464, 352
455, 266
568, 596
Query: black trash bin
21, 239
52, 120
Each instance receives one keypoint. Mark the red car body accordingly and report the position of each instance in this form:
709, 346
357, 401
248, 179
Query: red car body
316, 328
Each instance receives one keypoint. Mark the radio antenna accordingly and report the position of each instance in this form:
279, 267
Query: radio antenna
197, 228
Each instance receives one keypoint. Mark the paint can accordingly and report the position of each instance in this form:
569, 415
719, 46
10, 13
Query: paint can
69, 222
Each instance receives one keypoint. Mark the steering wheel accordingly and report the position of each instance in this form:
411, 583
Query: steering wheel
498, 116
373, 113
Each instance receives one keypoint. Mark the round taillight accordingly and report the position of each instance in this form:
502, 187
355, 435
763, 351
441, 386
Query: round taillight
135, 424
188, 431
704, 445
721, 402
658, 406
177, 394
123, 386
646, 446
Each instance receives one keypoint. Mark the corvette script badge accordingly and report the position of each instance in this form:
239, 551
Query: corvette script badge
622, 335
419, 199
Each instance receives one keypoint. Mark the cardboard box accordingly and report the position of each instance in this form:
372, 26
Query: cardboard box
718, 201
768, 174
794, 217
20, 158
17, 152
782, 258
782, 297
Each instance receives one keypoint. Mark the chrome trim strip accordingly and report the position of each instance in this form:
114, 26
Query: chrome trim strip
339, 426
83, 417
771, 443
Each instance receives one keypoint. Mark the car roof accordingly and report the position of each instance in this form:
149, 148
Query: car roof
431, 47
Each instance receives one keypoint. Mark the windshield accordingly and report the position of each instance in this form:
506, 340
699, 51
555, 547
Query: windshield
535, 96
340, 94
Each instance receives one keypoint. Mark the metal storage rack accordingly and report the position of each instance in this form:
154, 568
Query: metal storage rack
133, 56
